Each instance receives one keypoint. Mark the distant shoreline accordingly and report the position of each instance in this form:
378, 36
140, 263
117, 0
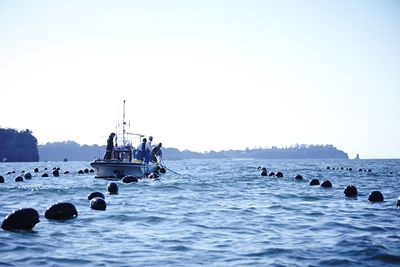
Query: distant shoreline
73, 151
21, 146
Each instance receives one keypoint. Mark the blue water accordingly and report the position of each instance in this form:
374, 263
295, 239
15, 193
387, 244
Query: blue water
213, 213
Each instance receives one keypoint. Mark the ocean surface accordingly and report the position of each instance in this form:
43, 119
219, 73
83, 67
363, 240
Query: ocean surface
209, 213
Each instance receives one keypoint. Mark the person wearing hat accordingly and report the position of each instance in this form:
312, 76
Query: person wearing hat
110, 146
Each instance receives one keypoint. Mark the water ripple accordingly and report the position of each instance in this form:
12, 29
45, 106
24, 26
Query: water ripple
217, 213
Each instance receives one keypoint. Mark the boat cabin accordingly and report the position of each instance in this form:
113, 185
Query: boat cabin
123, 154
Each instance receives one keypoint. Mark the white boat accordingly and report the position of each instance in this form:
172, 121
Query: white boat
122, 162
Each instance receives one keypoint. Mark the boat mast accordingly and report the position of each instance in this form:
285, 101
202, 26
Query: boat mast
123, 126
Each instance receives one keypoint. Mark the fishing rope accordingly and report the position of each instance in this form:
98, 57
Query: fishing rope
165, 166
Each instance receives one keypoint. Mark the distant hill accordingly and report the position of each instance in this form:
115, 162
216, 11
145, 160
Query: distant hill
293, 152
21, 146
18, 146
71, 150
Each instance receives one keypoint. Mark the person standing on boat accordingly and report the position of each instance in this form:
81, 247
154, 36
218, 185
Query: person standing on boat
141, 150
156, 153
148, 150
110, 146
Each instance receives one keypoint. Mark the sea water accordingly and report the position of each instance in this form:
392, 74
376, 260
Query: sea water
211, 213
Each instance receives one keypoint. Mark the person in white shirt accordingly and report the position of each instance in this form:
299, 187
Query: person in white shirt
148, 150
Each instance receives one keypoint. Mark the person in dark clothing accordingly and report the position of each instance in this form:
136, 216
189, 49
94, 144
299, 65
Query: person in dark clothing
155, 153
110, 146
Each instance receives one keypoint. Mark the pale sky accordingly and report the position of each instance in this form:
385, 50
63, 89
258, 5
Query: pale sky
204, 75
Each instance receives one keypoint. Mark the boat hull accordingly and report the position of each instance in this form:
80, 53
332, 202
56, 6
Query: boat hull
111, 169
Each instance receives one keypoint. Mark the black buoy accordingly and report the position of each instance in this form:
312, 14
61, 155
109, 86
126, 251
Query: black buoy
314, 182
22, 219
80, 172
326, 184
61, 211
56, 173
279, 174
264, 172
298, 177
66, 172
153, 176
19, 179
28, 175
1, 179
91, 170
375, 196
86, 170
398, 203
130, 179
163, 170
350, 191
112, 188
98, 203
95, 194
45, 175
36, 170
328, 168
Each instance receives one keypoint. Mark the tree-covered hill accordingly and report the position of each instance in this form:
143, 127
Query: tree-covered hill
70, 150
73, 151
21, 146
292, 152
18, 146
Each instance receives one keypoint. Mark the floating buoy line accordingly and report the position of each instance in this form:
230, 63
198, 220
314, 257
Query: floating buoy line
25, 219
